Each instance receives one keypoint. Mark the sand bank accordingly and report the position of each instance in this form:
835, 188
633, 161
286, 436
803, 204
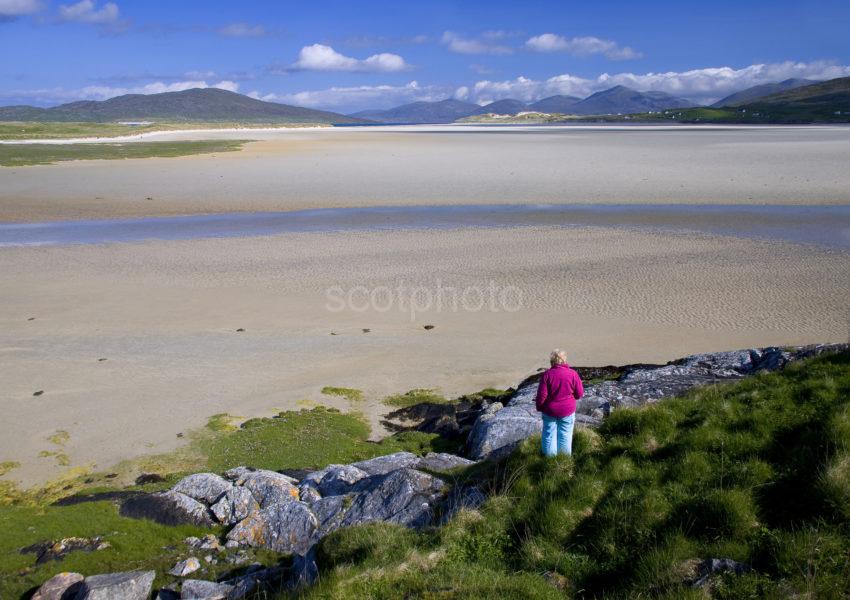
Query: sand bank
391, 166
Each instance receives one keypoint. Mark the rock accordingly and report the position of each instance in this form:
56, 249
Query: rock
289, 528
496, 434
236, 504
270, 579
204, 487
197, 589
715, 566
238, 474
442, 461
146, 478
185, 567
381, 465
167, 508
231, 544
304, 569
334, 480
167, 594
132, 585
58, 549
330, 512
63, 586
270, 488
209, 542
308, 493
404, 496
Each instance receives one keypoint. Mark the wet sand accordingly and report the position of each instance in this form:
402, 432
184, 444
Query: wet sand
398, 166
165, 315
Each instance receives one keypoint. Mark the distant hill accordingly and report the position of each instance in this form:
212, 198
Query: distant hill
623, 100
828, 101
760, 91
209, 104
444, 111
555, 104
508, 106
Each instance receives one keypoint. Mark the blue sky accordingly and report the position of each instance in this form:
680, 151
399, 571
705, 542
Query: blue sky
348, 56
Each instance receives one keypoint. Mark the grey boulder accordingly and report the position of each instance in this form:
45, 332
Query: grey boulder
132, 585
404, 496
334, 480
381, 465
198, 589
289, 528
270, 488
63, 586
497, 432
204, 487
185, 567
167, 508
441, 462
235, 505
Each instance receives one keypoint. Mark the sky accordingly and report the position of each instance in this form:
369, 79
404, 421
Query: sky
364, 54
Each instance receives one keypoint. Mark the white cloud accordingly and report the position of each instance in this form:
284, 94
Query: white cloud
352, 99
486, 43
243, 30
86, 11
104, 92
12, 9
702, 85
581, 46
319, 57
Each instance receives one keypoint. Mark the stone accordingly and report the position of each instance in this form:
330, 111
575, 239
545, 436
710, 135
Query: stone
714, 566
63, 586
442, 461
185, 567
146, 478
496, 434
131, 585
167, 594
269, 579
288, 528
238, 474
404, 496
59, 549
204, 487
308, 493
236, 504
304, 569
209, 542
167, 508
270, 488
198, 589
460, 498
381, 465
330, 512
334, 480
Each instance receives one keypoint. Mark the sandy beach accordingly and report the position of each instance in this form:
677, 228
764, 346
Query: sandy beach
166, 314
345, 167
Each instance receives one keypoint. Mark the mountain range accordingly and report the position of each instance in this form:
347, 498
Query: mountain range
759, 91
208, 104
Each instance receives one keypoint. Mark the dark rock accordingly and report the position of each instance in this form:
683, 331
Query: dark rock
59, 549
428, 327
330, 512
238, 474
390, 462
167, 594
460, 498
236, 504
304, 569
715, 566
38, 393
197, 589
240, 330
204, 487
63, 586
289, 527
146, 478
404, 496
167, 508
132, 585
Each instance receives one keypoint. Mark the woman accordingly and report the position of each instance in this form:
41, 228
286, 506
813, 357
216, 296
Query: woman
557, 393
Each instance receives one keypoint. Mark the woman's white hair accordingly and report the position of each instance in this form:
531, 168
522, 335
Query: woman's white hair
558, 357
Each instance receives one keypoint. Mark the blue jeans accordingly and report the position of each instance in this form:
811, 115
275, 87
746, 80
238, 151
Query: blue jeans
558, 435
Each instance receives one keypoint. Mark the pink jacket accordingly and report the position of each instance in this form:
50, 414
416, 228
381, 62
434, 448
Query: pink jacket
558, 391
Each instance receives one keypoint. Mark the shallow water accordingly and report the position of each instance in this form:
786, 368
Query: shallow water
822, 225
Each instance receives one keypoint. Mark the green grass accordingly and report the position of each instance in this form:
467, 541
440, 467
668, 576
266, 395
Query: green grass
16, 155
29, 130
758, 471
411, 397
350, 394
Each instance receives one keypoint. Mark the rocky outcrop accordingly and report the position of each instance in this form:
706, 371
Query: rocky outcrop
288, 527
234, 505
167, 508
498, 430
198, 589
133, 585
203, 487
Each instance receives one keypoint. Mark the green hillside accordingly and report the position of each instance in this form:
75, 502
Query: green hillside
757, 472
